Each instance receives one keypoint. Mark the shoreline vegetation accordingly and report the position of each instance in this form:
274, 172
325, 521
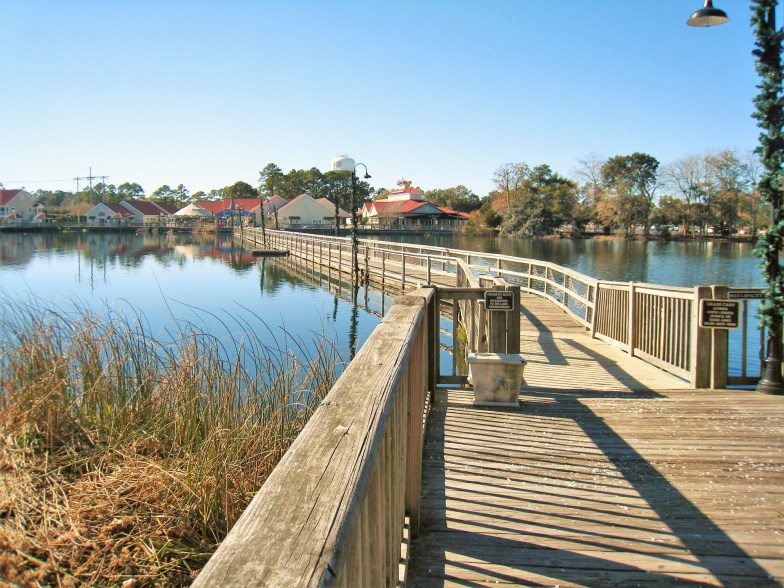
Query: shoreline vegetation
470, 230
125, 458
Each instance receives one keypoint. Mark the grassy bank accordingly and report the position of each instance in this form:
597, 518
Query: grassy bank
124, 459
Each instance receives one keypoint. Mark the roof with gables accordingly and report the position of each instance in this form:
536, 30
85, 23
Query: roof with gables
407, 208
166, 207
213, 206
331, 206
7, 195
145, 207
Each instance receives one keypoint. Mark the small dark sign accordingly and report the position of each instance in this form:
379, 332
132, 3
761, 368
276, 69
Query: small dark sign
499, 300
745, 294
719, 314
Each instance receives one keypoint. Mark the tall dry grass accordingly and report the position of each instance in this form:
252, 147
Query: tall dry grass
125, 458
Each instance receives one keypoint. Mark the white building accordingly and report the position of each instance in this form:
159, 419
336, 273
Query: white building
17, 206
306, 212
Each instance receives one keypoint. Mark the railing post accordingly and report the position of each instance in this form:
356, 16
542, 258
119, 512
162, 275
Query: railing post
497, 320
433, 343
701, 342
513, 322
593, 296
632, 333
743, 343
720, 343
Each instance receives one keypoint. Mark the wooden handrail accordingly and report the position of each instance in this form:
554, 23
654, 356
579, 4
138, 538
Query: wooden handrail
333, 510
654, 322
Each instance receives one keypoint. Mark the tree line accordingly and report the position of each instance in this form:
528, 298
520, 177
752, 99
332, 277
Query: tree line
712, 192
715, 192
333, 185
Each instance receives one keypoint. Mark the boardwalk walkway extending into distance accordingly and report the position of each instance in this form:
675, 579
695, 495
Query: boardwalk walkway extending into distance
611, 472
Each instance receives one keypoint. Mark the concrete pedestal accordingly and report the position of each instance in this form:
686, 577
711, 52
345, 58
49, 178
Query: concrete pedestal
496, 378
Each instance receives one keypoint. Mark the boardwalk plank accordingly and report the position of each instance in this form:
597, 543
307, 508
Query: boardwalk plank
577, 489
611, 473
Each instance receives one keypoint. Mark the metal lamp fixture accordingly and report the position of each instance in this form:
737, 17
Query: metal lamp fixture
345, 163
707, 16
771, 376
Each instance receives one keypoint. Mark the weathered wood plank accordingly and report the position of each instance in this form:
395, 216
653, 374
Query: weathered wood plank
299, 526
604, 489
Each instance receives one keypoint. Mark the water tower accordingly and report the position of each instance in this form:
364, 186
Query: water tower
343, 163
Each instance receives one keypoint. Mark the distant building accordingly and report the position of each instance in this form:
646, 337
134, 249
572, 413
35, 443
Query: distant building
145, 212
307, 212
17, 206
405, 208
193, 211
405, 192
245, 207
111, 214
40, 218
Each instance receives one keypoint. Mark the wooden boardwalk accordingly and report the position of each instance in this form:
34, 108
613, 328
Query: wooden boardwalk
611, 473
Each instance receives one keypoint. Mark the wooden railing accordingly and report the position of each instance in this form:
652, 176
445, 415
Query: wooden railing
333, 511
656, 323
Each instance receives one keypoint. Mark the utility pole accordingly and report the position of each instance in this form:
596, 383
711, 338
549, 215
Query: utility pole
90, 177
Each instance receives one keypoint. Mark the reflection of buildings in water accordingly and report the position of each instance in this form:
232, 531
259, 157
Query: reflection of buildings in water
135, 247
125, 249
16, 249
190, 251
234, 256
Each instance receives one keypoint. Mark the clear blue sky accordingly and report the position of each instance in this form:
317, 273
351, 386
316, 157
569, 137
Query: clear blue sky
206, 93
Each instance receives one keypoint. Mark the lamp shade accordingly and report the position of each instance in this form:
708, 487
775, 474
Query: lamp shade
707, 16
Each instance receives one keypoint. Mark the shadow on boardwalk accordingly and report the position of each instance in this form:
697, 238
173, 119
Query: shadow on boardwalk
611, 473
555, 493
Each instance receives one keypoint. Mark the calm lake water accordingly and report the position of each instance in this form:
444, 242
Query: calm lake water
216, 285
673, 263
205, 280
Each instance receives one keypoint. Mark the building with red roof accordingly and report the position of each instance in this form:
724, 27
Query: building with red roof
405, 192
253, 206
19, 203
405, 208
130, 212
111, 214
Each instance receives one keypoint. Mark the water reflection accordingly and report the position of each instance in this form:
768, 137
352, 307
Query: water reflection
205, 277
207, 281
123, 249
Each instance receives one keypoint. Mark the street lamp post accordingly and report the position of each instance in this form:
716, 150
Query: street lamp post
770, 117
345, 163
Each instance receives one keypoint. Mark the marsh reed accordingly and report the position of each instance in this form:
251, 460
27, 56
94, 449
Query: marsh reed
126, 457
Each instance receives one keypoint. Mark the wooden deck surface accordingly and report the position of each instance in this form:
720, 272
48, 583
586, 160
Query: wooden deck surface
611, 473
